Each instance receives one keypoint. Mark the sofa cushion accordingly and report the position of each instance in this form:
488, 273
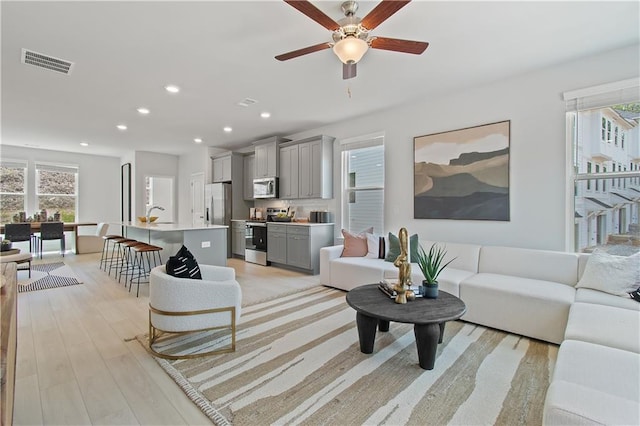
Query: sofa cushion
604, 325
533, 308
571, 404
594, 296
393, 251
617, 275
463, 256
609, 370
355, 245
183, 265
376, 246
543, 265
351, 272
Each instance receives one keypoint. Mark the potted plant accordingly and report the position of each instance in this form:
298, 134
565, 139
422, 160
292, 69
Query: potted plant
6, 245
431, 265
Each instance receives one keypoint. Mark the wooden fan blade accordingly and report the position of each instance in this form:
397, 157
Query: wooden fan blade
397, 45
381, 12
300, 52
314, 13
348, 71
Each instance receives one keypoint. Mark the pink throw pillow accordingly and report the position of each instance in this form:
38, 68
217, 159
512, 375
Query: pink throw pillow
355, 245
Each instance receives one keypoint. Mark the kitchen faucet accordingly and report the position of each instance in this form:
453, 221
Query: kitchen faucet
149, 212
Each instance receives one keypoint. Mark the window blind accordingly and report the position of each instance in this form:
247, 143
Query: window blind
57, 168
13, 164
620, 92
367, 141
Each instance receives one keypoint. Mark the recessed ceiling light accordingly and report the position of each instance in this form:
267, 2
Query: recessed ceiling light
228, 129
197, 140
84, 144
265, 114
143, 110
171, 88
121, 127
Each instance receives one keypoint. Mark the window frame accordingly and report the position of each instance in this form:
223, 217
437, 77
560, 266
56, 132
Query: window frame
585, 99
348, 146
56, 167
18, 164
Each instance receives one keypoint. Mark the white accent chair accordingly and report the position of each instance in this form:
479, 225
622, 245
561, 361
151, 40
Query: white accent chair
92, 243
183, 305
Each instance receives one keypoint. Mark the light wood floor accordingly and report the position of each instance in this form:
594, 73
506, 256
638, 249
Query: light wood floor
76, 366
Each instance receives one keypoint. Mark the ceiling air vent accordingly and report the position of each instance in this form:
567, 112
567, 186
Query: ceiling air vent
44, 61
246, 102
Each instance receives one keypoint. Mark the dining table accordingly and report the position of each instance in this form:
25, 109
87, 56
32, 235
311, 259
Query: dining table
67, 227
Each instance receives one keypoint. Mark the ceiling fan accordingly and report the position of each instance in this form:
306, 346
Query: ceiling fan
351, 38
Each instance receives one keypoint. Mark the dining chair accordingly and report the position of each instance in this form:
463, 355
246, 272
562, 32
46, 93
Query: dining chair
16, 232
52, 231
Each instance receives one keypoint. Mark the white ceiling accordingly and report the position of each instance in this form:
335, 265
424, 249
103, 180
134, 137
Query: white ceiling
222, 52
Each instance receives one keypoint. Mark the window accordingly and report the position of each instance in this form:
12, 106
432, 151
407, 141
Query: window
12, 189
56, 190
612, 209
363, 185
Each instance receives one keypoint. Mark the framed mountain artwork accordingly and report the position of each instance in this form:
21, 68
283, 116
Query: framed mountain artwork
462, 174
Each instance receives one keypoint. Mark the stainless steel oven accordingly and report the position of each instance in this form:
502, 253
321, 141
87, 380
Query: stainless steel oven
256, 243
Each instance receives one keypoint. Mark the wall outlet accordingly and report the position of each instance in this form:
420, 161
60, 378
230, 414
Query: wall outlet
205, 244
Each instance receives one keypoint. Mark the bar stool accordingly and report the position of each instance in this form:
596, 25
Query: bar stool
106, 239
127, 265
116, 258
139, 262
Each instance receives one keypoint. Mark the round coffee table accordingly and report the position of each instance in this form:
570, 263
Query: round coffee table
375, 309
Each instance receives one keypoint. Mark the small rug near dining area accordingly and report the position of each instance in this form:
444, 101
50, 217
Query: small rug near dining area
298, 361
46, 276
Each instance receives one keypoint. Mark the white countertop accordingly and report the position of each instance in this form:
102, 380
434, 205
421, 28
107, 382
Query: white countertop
300, 223
285, 223
165, 227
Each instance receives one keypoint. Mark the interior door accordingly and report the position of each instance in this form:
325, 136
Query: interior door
197, 199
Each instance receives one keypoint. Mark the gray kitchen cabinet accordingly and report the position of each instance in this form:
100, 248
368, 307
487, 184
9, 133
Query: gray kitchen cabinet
298, 246
238, 234
249, 175
289, 172
222, 168
315, 167
267, 160
277, 243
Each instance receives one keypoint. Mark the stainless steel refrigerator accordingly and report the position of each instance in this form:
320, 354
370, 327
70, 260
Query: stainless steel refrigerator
217, 203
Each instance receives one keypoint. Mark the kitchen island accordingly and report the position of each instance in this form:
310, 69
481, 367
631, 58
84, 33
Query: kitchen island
208, 243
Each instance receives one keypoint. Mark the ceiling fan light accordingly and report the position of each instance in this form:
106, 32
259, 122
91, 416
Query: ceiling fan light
350, 49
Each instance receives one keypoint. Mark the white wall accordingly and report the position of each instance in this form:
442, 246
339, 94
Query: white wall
98, 180
151, 164
538, 184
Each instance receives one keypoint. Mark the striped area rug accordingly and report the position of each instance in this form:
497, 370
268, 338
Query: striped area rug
45, 276
298, 362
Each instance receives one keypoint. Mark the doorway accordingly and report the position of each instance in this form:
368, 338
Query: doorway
197, 199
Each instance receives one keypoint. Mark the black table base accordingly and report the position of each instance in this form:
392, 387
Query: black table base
374, 311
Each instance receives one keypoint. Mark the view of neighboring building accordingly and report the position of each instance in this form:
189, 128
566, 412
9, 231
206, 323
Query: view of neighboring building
607, 210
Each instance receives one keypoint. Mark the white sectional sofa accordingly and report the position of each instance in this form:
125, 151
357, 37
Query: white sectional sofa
533, 293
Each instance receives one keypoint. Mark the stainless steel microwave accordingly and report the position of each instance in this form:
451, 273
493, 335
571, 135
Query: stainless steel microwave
265, 188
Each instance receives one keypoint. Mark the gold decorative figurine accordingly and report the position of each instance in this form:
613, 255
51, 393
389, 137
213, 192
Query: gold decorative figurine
404, 267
